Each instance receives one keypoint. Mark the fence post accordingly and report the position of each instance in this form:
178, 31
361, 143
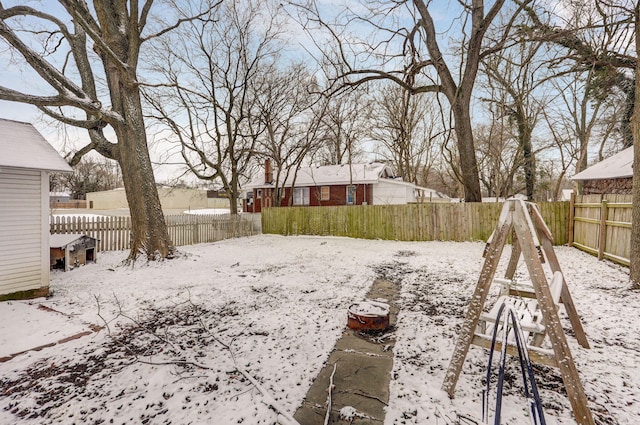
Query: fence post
602, 240
195, 226
572, 216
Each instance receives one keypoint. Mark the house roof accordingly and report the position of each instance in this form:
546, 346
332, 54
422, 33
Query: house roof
24, 147
327, 175
62, 240
616, 166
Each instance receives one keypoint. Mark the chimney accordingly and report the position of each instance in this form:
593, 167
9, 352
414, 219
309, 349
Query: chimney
268, 173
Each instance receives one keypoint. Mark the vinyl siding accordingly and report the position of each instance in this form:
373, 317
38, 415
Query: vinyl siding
392, 193
21, 231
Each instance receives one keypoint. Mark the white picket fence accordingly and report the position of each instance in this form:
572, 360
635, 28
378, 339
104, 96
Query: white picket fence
114, 233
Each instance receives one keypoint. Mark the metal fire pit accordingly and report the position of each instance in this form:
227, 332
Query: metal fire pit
368, 315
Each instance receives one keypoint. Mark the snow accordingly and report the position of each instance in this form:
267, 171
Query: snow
178, 334
24, 147
369, 309
78, 216
360, 173
29, 331
208, 211
617, 166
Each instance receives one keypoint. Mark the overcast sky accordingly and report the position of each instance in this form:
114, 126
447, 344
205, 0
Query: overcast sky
14, 74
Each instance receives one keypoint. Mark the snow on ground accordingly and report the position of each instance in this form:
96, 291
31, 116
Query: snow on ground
178, 332
208, 211
88, 216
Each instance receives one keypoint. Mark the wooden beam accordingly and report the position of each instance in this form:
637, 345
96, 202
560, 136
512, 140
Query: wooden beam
537, 355
602, 237
478, 299
565, 296
515, 257
572, 215
564, 359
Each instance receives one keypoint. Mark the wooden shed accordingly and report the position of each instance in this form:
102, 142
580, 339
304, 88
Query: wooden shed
25, 163
68, 251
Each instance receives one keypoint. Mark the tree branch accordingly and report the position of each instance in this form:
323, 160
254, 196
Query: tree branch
180, 22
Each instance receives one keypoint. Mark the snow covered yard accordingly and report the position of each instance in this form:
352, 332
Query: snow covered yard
177, 333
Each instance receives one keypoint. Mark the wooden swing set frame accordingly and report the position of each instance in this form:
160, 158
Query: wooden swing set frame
532, 240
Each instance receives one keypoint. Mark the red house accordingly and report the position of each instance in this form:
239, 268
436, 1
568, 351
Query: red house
330, 185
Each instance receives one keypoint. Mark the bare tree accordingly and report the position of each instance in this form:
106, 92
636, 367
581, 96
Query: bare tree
89, 59
291, 111
407, 129
499, 158
213, 70
91, 176
515, 81
343, 128
361, 61
618, 23
565, 150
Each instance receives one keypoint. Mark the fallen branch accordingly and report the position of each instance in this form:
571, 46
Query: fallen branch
284, 418
288, 419
329, 390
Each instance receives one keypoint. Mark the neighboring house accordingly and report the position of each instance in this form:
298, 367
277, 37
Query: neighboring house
170, 198
613, 175
25, 163
356, 184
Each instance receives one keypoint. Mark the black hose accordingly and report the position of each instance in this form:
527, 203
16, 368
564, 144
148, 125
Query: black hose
526, 369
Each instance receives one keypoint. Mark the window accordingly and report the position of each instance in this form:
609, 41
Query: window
259, 193
301, 196
325, 194
351, 195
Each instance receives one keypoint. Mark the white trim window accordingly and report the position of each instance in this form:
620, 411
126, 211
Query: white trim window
300, 196
325, 193
351, 195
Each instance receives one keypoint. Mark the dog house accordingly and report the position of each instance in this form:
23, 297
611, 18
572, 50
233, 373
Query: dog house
71, 250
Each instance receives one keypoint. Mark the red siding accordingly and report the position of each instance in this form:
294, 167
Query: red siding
337, 196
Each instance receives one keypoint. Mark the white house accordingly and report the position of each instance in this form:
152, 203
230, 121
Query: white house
25, 163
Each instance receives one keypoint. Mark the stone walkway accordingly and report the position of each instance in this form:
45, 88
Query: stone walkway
363, 364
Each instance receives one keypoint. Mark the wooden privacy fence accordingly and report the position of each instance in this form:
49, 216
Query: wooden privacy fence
114, 233
602, 226
414, 222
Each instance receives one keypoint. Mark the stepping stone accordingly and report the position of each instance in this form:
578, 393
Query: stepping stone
361, 381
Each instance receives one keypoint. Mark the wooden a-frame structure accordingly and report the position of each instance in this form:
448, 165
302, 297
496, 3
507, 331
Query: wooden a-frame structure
533, 240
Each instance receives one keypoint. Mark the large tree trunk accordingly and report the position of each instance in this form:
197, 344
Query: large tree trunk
467, 152
149, 229
459, 95
114, 28
528, 157
635, 124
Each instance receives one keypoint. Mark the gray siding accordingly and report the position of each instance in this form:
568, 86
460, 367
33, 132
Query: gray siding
21, 231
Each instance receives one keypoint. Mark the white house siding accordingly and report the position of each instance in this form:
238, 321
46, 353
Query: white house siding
392, 193
23, 238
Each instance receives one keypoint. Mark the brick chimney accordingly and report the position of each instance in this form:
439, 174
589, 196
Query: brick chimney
268, 172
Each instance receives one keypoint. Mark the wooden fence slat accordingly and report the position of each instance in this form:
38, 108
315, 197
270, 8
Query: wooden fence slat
413, 222
114, 233
602, 226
